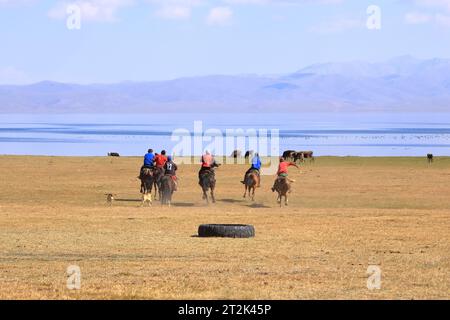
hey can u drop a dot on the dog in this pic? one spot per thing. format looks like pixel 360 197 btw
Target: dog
pixel 109 198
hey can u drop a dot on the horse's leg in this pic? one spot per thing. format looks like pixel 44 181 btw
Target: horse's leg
pixel 205 196
pixel 253 193
pixel 212 195
pixel 286 199
pixel 245 191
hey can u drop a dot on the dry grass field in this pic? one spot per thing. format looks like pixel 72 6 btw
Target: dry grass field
pixel 344 215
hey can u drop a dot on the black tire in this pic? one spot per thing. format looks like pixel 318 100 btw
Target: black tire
pixel 226 230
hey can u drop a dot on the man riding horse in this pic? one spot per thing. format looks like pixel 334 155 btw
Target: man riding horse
pixel 170 169
pixel 160 161
pixel 255 167
pixel 208 163
pixel 149 159
pixel 282 172
pixel 206 175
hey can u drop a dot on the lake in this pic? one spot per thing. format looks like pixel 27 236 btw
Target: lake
pixel 132 134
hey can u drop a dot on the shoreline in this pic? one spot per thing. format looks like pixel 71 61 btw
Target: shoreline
pixel 223 157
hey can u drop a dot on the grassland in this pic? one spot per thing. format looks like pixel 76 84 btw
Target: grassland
pixel 344 215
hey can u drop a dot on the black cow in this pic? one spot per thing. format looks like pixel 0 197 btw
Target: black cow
pixel 248 154
pixel 236 154
pixel 289 154
pixel 113 154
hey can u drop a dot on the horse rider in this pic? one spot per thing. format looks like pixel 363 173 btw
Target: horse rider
pixel 208 162
pixel 149 159
pixel 170 169
pixel 256 166
pixel 283 170
pixel 160 161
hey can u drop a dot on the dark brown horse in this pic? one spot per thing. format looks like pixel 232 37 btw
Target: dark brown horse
pixel 282 186
pixel 147 181
pixel 208 183
pixel 167 187
pixel 158 173
pixel 251 181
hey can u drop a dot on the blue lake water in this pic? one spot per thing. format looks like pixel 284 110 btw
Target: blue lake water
pixel 133 134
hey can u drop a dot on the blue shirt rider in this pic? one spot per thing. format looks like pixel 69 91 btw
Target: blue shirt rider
pixel 149 158
pixel 256 166
pixel 148 161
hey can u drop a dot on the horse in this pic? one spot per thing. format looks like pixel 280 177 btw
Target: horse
pixel 167 187
pixel 250 182
pixel 158 173
pixel 282 186
pixel 208 182
pixel 147 180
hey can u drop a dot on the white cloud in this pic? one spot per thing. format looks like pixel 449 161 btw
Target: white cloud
pixel 219 16
pixel 175 9
pixel 337 26
pixel 281 2
pixel 91 10
pixel 12 75
pixel 434 3
pixel 174 12
pixel 442 20
pixel 417 18
pixel 435 12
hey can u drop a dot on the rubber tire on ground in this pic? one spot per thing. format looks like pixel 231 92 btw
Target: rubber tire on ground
pixel 226 230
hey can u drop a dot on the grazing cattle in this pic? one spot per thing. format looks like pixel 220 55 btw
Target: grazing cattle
pixel 248 154
pixel 308 154
pixel 113 154
pixel 166 191
pixel 289 154
pixel 302 155
pixel 430 158
pixel 147 181
pixel 208 182
pixel 294 156
pixel 298 156
pixel 236 154
pixel 282 186
pixel 251 181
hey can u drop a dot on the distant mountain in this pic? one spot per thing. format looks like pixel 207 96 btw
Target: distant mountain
pixel 402 84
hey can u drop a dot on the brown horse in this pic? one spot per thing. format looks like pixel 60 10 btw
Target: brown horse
pixel 207 181
pixel 147 181
pixel 282 186
pixel 158 173
pixel 166 190
pixel 251 181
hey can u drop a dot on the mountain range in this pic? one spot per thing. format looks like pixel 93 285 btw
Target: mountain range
pixel 402 84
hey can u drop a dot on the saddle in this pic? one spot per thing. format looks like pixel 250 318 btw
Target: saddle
pixel 146 171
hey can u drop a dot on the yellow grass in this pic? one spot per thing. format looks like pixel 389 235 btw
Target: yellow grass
pixel 344 215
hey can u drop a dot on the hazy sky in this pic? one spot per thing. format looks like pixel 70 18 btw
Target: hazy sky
pixel 164 39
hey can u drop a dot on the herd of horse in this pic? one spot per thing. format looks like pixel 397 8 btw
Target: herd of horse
pixel 164 186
